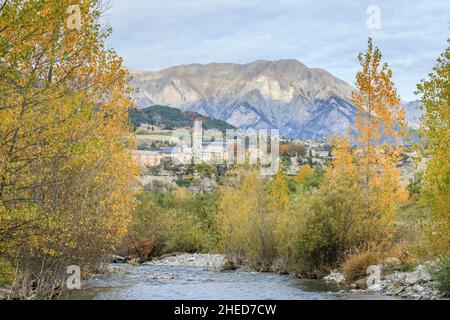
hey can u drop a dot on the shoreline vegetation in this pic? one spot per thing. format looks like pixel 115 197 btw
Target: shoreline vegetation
pixel 69 192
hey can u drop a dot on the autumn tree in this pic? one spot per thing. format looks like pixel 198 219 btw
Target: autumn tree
pixel 379 128
pixel 354 207
pixel 330 221
pixel 66 178
pixel 253 217
pixel 303 173
pixel 435 101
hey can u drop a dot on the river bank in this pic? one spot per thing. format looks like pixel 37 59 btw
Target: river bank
pixel 417 284
pixel 199 276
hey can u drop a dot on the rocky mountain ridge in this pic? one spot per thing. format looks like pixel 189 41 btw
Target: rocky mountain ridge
pixel 301 102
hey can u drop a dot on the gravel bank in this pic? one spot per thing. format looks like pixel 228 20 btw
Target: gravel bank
pixel 417 284
pixel 209 261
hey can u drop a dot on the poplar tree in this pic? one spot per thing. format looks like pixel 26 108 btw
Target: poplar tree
pixel 435 101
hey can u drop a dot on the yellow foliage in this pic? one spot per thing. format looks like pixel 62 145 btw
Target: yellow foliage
pixel 435 101
pixel 335 220
pixel 253 218
pixel 379 127
pixel 354 207
pixel 66 177
pixel 304 172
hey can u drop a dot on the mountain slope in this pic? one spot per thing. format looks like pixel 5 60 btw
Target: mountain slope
pixel 173 118
pixel 413 113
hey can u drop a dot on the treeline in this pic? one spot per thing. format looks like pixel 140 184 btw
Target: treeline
pixel 350 216
pixel 66 178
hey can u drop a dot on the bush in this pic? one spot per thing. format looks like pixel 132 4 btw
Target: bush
pixel 314 180
pixel 337 219
pixel 402 267
pixel 415 185
pixel 303 173
pixel 442 275
pixel 169 222
pixel 143 249
pixel 6 273
pixel 206 170
pixel 183 182
pixel 355 265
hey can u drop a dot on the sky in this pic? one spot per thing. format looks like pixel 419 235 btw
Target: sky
pixel 328 34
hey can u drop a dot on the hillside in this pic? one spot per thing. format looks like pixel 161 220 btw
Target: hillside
pixel 172 118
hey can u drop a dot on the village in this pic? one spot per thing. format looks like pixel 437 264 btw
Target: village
pixel 168 161
pixel 157 144
pixel 198 158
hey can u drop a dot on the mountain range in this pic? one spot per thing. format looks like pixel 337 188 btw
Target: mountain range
pixel 301 102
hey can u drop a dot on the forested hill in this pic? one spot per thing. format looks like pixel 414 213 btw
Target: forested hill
pixel 172 118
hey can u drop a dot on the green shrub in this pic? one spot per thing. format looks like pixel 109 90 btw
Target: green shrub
pixel 183 182
pixel 402 267
pixel 314 180
pixel 415 185
pixel 442 275
pixel 206 170
pixel 332 221
pixel 169 222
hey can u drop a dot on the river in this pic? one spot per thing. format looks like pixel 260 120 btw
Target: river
pixel 150 282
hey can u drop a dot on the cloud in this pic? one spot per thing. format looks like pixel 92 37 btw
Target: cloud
pixel 152 35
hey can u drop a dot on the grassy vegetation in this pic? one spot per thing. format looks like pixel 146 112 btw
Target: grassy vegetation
pixel 355 265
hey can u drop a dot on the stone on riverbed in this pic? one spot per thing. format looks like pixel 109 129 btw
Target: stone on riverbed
pixel 5 294
pixel 419 275
pixel 361 283
pixel 229 266
pixel 334 276
pixel 413 285
pixel 396 290
pixel 114 258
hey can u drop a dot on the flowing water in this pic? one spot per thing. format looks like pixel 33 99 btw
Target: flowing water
pixel 192 283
